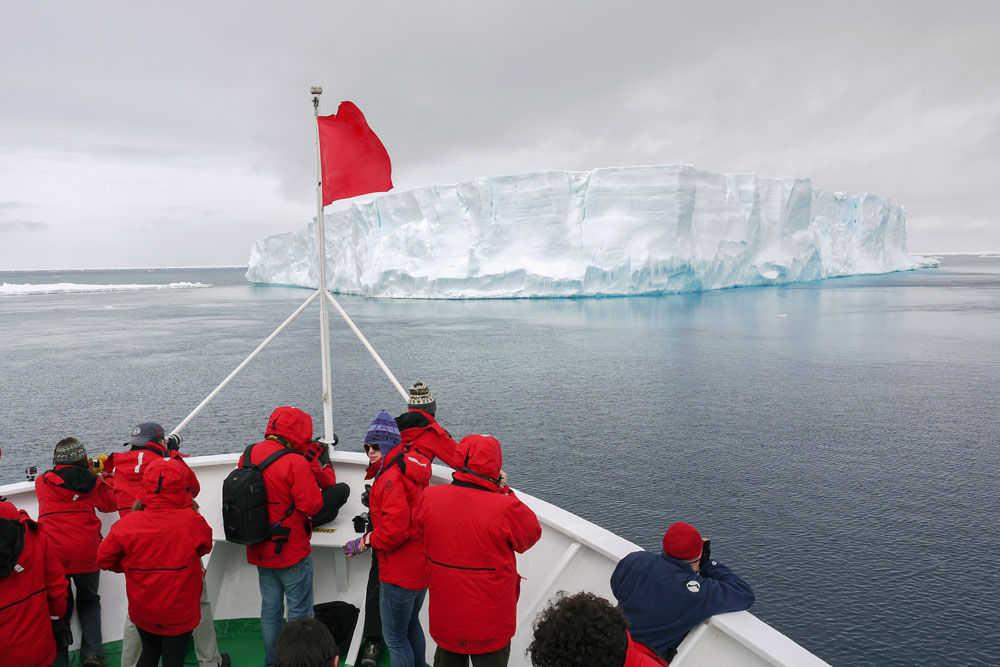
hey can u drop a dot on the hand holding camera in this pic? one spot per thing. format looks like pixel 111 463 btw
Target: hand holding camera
pixel 98 463
pixel 706 550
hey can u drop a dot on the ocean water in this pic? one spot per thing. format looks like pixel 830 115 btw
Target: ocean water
pixel 837 440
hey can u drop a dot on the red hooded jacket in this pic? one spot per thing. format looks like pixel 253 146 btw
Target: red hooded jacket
pixel 32 594
pixel 394 494
pixel 159 549
pixel 293 494
pixel 69 497
pixel 470 530
pixel 127 468
pixel 420 432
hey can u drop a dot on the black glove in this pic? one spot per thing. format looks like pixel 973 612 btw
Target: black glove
pixel 324 456
pixel 706 550
pixel 63 633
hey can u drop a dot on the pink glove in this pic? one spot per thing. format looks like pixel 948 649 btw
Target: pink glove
pixel 356 546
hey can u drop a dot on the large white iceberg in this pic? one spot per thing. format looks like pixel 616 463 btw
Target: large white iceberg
pixel 613 231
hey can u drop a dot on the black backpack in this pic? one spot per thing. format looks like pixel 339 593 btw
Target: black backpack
pixel 11 544
pixel 244 502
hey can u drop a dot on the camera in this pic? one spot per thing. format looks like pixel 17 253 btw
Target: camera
pixel 174 441
pixel 363 523
pixel 366 494
pixel 31 472
pixel 97 463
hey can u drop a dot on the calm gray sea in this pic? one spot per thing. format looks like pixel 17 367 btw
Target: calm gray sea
pixel 837 440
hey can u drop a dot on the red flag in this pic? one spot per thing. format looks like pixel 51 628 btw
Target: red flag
pixel 354 160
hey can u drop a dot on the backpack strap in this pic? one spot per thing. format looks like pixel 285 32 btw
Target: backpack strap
pixel 397 460
pixel 247 463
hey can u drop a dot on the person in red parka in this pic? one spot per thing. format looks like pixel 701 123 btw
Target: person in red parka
pixel 32 591
pixel 334 493
pixel 284 562
pixel 159 546
pixel 69 497
pixel 470 531
pixel 371 633
pixel 585 630
pixel 420 431
pixel 147 444
pixel 399 481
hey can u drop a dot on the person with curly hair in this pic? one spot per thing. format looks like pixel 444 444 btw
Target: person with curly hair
pixel 585 630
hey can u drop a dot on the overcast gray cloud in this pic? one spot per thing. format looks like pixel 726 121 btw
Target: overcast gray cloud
pixel 177 133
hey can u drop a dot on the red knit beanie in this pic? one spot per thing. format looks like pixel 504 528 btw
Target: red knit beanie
pixel 682 541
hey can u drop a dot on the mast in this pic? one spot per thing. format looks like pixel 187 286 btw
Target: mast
pixel 324 324
pixel 324 297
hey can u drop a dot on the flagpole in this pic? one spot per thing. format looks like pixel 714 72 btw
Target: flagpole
pixel 324 324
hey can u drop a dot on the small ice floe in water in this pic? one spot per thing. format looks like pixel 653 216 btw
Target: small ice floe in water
pixel 782 314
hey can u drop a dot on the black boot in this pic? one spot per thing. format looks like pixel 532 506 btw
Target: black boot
pixel 371 647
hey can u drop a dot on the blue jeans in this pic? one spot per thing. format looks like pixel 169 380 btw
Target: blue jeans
pixel 400 609
pixel 295 583
pixel 88 608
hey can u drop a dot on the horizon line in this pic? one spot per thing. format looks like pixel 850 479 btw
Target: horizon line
pixel 247 266
pixel 132 268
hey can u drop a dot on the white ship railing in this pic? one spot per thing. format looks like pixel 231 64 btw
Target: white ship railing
pixel 572 555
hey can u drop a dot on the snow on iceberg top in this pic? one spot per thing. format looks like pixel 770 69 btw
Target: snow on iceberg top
pixel 607 232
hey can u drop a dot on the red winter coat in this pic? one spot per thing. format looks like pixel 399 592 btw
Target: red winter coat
pixel 470 531
pixel 288 480
pixel 420 432
pixel 159 549
pixel 127 470
pixel 394 494
pixel 639 655
pixel 68 498
pixel 33 593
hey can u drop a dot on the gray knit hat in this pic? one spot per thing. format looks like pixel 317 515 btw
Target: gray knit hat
pixel 421 398
pixel 69 450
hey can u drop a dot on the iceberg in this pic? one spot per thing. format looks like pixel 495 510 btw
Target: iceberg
pixel 606 232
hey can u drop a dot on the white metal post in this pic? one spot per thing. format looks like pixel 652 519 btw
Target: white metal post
pixel 324 325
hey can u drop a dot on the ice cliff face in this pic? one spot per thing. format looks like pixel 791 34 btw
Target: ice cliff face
pixel 614 231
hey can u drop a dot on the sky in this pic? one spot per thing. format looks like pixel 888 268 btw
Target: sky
pixel 147 134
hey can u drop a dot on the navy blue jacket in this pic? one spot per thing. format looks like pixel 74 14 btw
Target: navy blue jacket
pixel 663 598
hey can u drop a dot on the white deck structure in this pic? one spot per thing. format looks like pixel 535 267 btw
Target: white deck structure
pixel 572 555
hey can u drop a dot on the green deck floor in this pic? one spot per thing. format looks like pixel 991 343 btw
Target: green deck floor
pixel 240 638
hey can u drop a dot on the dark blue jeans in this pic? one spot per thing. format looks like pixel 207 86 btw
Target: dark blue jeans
pixel 293 583
pixel 88 608
pixel 401 629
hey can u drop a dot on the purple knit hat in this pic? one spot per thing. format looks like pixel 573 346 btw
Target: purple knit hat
pixel 384 432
